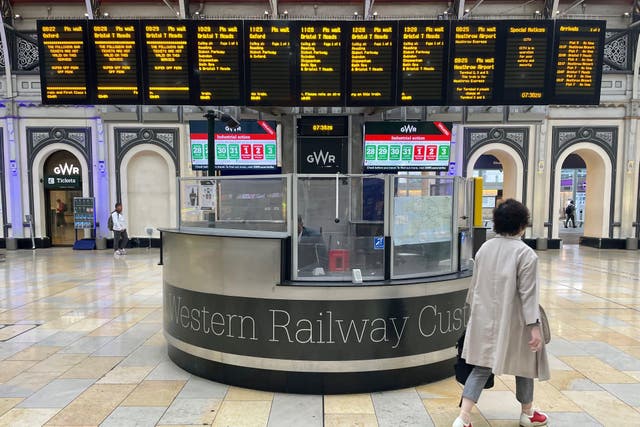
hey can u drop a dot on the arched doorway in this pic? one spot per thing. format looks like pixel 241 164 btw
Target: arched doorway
pixel 62 181
pixel 593 194
pixel 146 192
pixel 573 180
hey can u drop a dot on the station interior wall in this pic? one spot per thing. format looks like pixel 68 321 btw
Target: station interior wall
pixel 147 174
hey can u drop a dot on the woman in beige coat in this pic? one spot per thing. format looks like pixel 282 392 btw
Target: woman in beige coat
pixel 503 334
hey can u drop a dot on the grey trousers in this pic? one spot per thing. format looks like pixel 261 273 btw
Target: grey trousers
pixel 478 378
pixel 120 239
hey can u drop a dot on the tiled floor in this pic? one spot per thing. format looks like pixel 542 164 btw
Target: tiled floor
pixel 98 356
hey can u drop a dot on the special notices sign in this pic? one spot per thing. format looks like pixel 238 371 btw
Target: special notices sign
pixel 315 329
pixel 63 62
pixel 393 146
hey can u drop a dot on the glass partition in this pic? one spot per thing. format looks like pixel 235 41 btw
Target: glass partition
pixel 256 203
pixel 340 227
pixel 423 232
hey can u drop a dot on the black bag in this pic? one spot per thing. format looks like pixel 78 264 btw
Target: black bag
pixel 463 369
pixel 110 222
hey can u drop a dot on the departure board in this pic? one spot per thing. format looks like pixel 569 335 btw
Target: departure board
pixel 422 62
pixel 371 77
pixel 473 63
pixel 63 62
pixel 166 62
pixel 320 63
pixel 217 66
pixel 269 63
pixel 578 56
pixel 116 69
pixel 526 62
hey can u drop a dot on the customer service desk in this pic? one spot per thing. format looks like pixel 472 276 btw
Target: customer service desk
pixel 239 310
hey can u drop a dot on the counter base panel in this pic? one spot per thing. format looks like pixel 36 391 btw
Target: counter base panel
pixel 311 382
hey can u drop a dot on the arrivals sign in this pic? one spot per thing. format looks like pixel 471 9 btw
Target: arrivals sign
pixel 393 146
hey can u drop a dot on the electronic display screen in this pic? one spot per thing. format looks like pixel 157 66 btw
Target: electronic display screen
pixel 406 146
pixel 252 145
pixel 63 62
pixel 578 57
pixel 323 126
pixel 473 63
pixel 269 63
pixel 422 62
pixel 166 62
pixel 217 66
pixel 527 62
pixel 199 142
pixel 116 66
pixel 371 76
pixel 320 51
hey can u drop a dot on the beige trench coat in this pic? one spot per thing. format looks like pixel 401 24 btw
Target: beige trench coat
pixel 504 299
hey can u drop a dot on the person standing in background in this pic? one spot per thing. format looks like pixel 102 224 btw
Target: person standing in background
pixel 60 209
pixel 120 237
pixel 570 212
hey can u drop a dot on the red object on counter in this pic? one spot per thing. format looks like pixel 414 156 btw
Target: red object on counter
pixel 338 260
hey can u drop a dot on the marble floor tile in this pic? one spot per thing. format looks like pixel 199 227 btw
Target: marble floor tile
pixel 56 394
pixel 92 367
pixel 349 404
pixel 11 368
pixel 126 375
pixel 238 393
pixel 25 384
pixel 242 414
pixel 8 403
pixel 628 393
pixel 35 353
pixel 558 419
pixel 596 370
pixel 168 371
pixel 92 406
pixel 133 416
pixel 154 393
pixel 292 410
pixel 443 411
pixel 350 420
pixel 200 388
pixel 400 408
pixel 191 411
pixel 26 417
pixel 605 408
pixel 499 405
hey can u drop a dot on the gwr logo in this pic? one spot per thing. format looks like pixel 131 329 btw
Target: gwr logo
pixel 321 157
pixel 408 129
pixel 66 169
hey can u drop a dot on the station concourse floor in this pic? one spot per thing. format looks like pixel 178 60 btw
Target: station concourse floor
pixel 98 356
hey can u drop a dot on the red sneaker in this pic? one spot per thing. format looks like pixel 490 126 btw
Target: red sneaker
pixel 537 419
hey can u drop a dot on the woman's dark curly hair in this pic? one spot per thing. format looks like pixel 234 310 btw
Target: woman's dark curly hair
pixel 510 217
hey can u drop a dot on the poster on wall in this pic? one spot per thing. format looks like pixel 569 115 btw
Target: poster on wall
pixel 407 146
pixel 252 145
pixel 199 140
pixel 207 195
pixel 191 196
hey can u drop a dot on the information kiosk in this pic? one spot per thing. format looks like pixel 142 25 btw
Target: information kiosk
pixel 290 283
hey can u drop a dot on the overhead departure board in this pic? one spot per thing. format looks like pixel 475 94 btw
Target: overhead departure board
pixel 371 76
pixel 422 62
pixel 63 62
pixel 578 56
pixel 269 63
pixel 166 60
pixel 320 53
pixel 473 63
pixel 526 62
pixel 115 44
pixel 217 66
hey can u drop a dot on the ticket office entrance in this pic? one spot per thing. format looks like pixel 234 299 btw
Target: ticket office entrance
pixel 62 182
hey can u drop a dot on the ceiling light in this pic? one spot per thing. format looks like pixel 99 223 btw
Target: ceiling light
pixel 355 13
pixel 18 16
pixel 106 14
pixel 197 12
pixel 286 12
pixel 466 11
pixel 537 12
pixel 266 13
pixel 627 14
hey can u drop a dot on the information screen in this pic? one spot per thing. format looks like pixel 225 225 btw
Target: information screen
pixel 269 62
pixel 166 60
pixel 199 141
pixel 371 77
pixel 63 62
pixel 406 146
pixel 323 126
pixel 578 56
pixel 527 62
pixel 473 63
pixel 423 52
pixel 116 68
pixel 320 63
pixel 253 145
pixel 217 66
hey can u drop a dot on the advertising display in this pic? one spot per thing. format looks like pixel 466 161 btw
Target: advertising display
pixel 199 141
pixel 321 63
pixel 406 146
pixel 252 145
pixel 84 213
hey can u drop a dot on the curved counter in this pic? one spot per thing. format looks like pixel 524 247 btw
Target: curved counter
pixel 230 316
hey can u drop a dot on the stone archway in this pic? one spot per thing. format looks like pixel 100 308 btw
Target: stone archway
pixel 512 169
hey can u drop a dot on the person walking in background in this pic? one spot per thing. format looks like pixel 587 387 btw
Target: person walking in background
pixel 60 210
pixel 570 214
pixel 120 237
pixel 503 335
